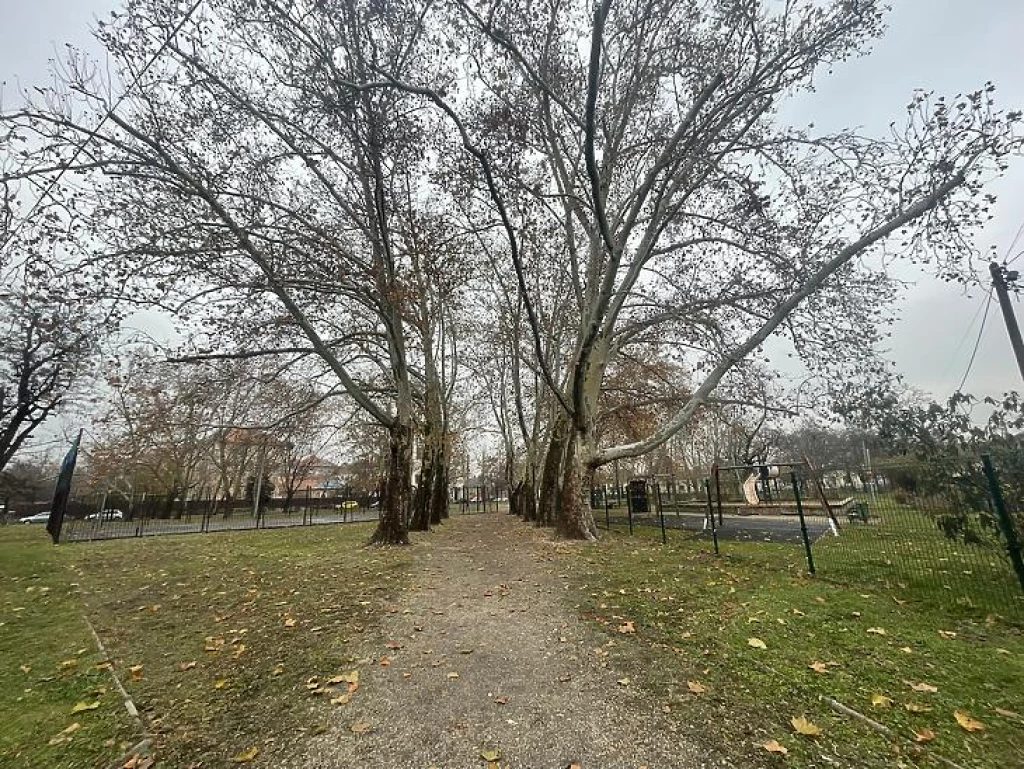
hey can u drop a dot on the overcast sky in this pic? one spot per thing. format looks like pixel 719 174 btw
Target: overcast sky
pixel 949 46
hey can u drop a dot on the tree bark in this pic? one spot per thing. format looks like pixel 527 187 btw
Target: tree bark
pixel 394 503
pixel 575 520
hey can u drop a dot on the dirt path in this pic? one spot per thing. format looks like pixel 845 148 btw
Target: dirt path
pixel 493 657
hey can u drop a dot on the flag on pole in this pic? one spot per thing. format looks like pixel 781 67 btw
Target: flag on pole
pixel 63 491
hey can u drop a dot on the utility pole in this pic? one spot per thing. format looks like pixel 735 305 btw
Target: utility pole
pixel 1000 276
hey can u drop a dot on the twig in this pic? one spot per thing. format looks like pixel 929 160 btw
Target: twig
pixel 882 729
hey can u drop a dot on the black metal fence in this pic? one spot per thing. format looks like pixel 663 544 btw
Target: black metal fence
pixel 946 538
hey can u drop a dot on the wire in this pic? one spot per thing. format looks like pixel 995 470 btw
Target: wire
pixel 92 134
pixel 967 332
pixel 977 343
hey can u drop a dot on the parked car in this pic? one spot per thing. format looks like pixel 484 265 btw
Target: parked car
pixel 106 515
pixel 42 517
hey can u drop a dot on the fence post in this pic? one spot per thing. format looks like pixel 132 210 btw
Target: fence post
pixel 629 511
pixel 803 521
pixel 718 494
pixel 607 514
pixel 711 513
pixel 1005 519
pixel 661 512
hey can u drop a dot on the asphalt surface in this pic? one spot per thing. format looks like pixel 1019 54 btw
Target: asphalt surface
pixel 744 528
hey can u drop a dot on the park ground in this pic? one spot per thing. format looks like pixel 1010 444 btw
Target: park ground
pixel 486 644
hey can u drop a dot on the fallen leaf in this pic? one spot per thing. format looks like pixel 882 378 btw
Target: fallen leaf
pixel 214 644
pixel 805 727
pixel 623 681
pixel 361 727
pixel 453 675
pixel 627 628
pixel 913 707
pixel 925 735
pixel 83 706
pixel 136 671
pixel 906 650
pixel 967 723
pixel 65 734
pixel 385 662
pixel 565 678
pixel 26 668
pixel 877 630
pixel 278 669
pixel 345 678
pixel 797 612
pixel 393 645
pixel 183 666
pixel 490 755
pixel 220 683
pixel 696 687
pixel 773 746
pixel 290 621
pixel 65 664
pixel 757 643
pixel 881 701
pixel 239 651
pixel 922 687
pixel 342 699
pixel 818 667
pixel 246 756
pixel 949 634
pixel 139 762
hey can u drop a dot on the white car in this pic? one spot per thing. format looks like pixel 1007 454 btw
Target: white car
pixel 42 517
pixel 106 515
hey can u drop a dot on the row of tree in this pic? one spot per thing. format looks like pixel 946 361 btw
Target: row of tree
pixel 590 217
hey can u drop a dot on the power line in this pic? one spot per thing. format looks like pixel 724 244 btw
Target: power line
pixel 967 332
pixel 977 343
pixel 92 134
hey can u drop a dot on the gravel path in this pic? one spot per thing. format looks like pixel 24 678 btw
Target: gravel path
pixel 493 657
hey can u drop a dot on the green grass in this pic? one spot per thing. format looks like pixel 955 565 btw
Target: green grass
pixel 277 608
pixel 694 614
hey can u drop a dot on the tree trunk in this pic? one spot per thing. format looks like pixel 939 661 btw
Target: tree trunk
pixel 552 476
pixel 394 503
pixel 576 521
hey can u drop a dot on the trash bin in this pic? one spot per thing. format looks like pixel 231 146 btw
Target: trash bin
pixel 638 500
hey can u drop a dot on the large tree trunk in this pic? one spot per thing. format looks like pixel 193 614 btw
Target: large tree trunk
pixel 552 475
pixel 575 520
pixel 394 503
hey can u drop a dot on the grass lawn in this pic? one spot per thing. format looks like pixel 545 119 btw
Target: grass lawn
pixel 214 637
pixel 677 614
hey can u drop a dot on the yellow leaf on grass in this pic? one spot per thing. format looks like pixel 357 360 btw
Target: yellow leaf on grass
pixel 66 664
pixel 696 687
pixel 947 634
pixel 913 707
pixel 344 678
pixel 183 666
pixel 773 746
pixel 805 727
pixel 877 630
pixel 342 699
pixel 925 735
pixel 65 734
pixel 627 628
pixel 624 681
pixel 757 643
pixel 818 667
pixel 83 706
pixel 220 683
pixel 967 723
pixel 922 687
pixel 881 701
pixel 361 727
pixel 278 669
pixel 214 644
pixel 453 675
pixel 490 755
pixel 26 669
pixel 239 651
pixel 246 755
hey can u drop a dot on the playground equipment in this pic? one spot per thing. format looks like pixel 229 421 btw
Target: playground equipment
pixel 763 473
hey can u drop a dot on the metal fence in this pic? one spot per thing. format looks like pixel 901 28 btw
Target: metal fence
pixel 946 538
pixel 87 519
